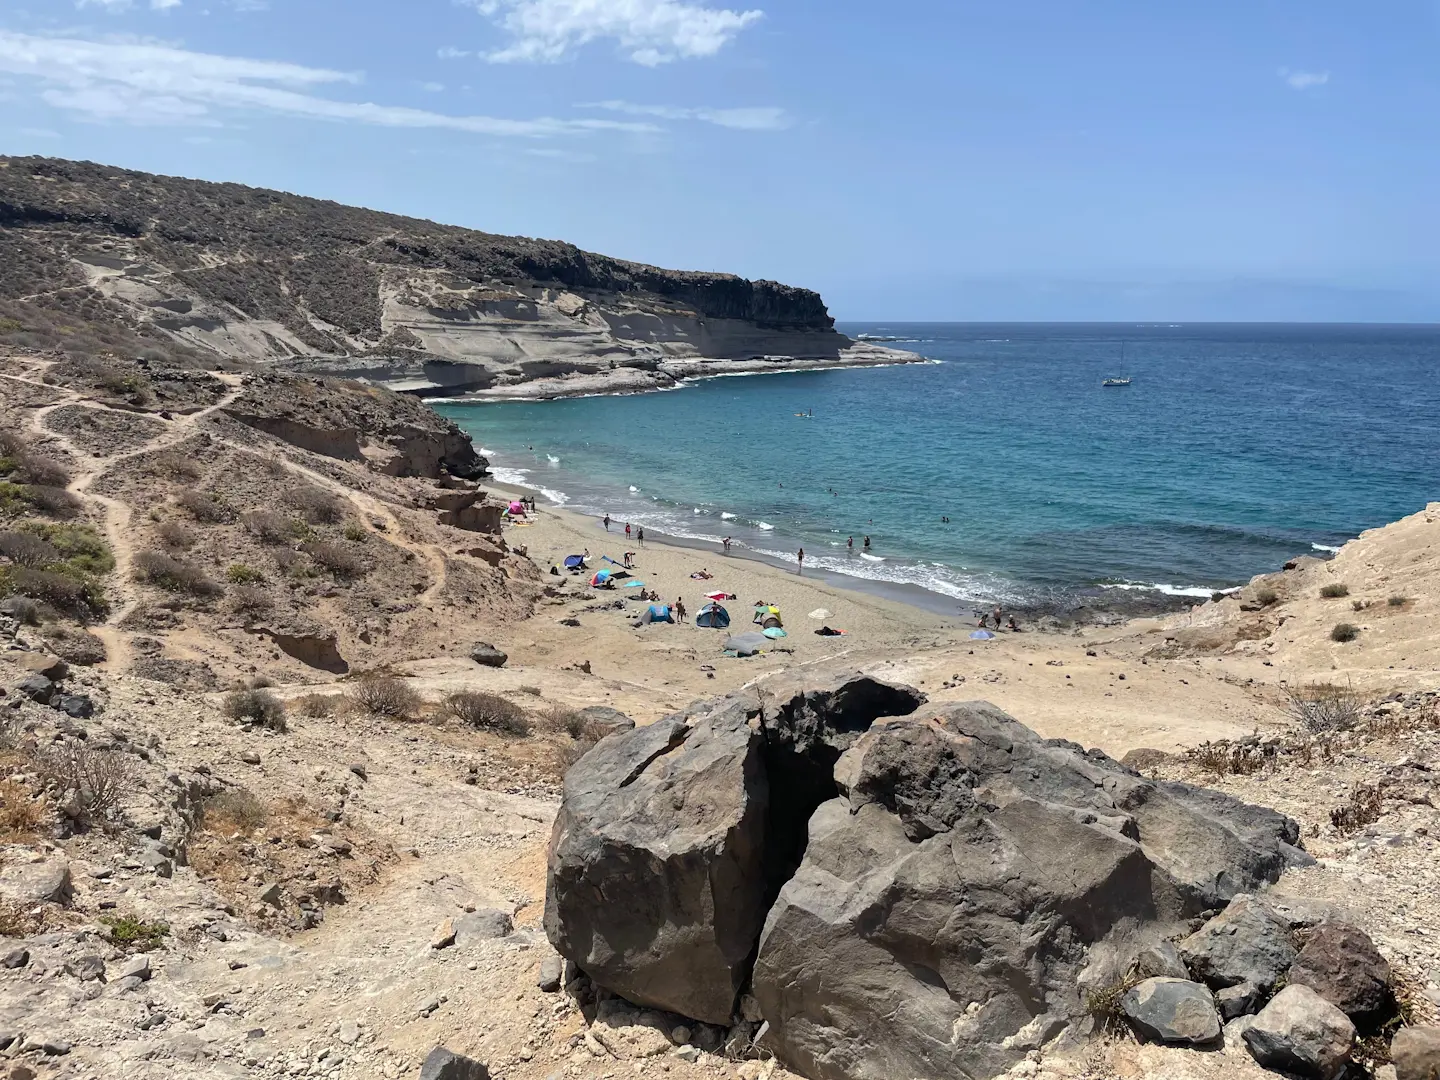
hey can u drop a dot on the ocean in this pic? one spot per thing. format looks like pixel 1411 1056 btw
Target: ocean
pixel 1234 448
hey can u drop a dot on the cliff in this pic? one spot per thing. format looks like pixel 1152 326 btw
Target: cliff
pixel 246 274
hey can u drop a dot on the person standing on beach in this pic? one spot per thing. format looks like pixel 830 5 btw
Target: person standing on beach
pixel 607 522
pixel 680 609
pixel 726 544
pixel 800 561
pixel 640 535
pixel 627 531
pixel 997 613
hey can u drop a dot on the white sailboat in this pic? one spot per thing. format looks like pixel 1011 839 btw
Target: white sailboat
pixel 1118 380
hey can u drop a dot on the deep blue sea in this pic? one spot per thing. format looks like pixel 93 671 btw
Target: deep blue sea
pixel 1234 448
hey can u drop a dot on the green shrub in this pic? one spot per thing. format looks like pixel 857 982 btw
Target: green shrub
pixel 174 575
pixel 258 707
pixel 356 534
pixel 74 593
pixel 1335 592
pixel 1398 601
pixel 1344 632
pixel 240 574
pixel 490 711
pixel 176 536
pixel 1267 597
pixel 131 933
pixel 81 547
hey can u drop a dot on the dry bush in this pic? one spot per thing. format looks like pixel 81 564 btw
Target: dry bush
pixel 12 443
pixel 317 706
pixel 250 600
pixel 1324 707
pixel 26 611
pixel 97 782
pixel 256 707
pixel 176 536
pixel 75 646
pixel 22 815
pixel 205 506
pixel 1267 597
pixel 174 575
pixel 177 465
pixel 356 533
pixel 27 549
pixel 55 501
pixel 1402 722
pixel 77 595
pixel 1344 632
pixel 338 559
pixel 384 695
pixel 316 505
pixel 33 468
pixel 1399 601
pixel 489 711
pixel 574 723
pixel 271 528
pixel 1103 1003
pixel 1335 592
pixel 234 811
pixel 1239 758
pixel 1364 807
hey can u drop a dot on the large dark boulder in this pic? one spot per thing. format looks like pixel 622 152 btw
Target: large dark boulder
pixel 1175 1012
pixel 1246 944
pixel 1301 1033
pixel 1342 965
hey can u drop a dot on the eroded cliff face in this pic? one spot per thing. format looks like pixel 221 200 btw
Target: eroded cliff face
pixel 243 273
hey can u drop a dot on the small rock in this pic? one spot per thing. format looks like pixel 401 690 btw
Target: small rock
pixel 750 1008
pixel 428 1006
pixel 43 664
pixel 127 984
pixel 1247 942
pixel 1172 1011
pixel 272 894
pixel 45 1044
pixel 21 1072
pixel 85 968
pixel 687 1053
pixel 6 1038
pixel 1416 1053
pixel 1301 1032
pixel 158 863
pixel 154 1020
pixel 487 655
pixel 359 770
pixel 349 1032
pixel 46 881
pixel 37 688
pixel 680 1035
pixel 137 967
pixel 1342 965
pixel 1235 1035
pixel 551 970
pixel 1235 1001
pixel 78 706
pixel 1160 961
pixel 16 958
pixel 444 935
pixel 250 757
pixel 484 925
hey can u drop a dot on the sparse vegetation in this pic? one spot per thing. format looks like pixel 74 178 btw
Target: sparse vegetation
pixel 1324 707
pixel 174 575
pixel 96 782
pixel 81 547
pixel 30 467
pixel 234 811
pixel 318 705
pixel 338 559
pixel 1267 597
pixel 1335 592
pixel 356 533
pixel 1103 1003
pixel 385 695
pixel 77 595
pixel 316 505
pixel 242 574
pixel 134 935
pixel 26 611
pixel 271 528
pixel 1238 758
pixel 175 536
pixel 27 549
pixel 22 814
pixel 205 506
pixel 488 711
pixel 1364 807
pixel 55 501
pixel 1399 601
pixel 178 466
pixel 256 707
pixel 1344 632
pixel 250 599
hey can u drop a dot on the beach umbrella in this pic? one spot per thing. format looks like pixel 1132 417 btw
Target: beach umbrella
pixel 821 614
pixel 633 585
pixel 600 578
pixel 981 635
pixel 774 632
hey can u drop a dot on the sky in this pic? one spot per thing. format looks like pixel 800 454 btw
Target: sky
pixel 1267 160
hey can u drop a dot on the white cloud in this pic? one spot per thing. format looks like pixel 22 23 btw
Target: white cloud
pixel 432 87
pixel 126 5
pixel 650 32
pixel 1304 80
pixel 40 133
pixel 449 53
pixel 757 118
pixel 124 80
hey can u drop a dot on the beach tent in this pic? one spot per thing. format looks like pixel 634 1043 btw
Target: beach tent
pixel 653 614
pixel 746 644
pixel 981 635
pixel 713 616
pixel 517 508
pixel 601 577
pixel 767 615
pixel 574 562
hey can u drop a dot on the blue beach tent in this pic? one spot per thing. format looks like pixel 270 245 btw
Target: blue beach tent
pixel 713 616
pixel 574 562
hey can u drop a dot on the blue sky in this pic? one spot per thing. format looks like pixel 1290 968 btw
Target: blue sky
pixel 916 159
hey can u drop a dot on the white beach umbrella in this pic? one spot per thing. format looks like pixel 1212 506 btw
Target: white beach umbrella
pixel 822 614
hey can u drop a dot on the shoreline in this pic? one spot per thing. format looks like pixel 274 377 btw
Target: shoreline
pixel 674 374
pixel 1101 609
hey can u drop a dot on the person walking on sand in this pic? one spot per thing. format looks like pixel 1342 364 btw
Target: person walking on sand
pixel 800 561
pixel 640 535
pixel 680 608
pixel 997 613
pixel 607 522
pixel 627 530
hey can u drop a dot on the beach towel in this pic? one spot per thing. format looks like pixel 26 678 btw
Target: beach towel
pixel 633 585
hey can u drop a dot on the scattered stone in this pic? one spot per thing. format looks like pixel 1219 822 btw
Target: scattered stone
pixel 1301 1032
pixel 43 882
pixel 86 968
pixel 484 925
pixel 444 935
pixel 487 655
pixel 1235 1035
pixel 127 984
pixel 153 1020
pixel 16 958
pixel 551 969
pixel 349 1032
pixel 1416 1053
pixel 250 757
pixel 154 860
pixel 428 1006
pixel 604 720
pixel 1172 1011
pixel 273 895
pixel 6 1038
pixel 688 1053
pixel 77 706
pixel 37 688
pixel 1247 942
pixel 45 1044
pixel 360 771
pixel 42 664
pixel 1342 965
pixel 136 967
pixel 1238 1000
pixel 629 1032
pixel 1160 961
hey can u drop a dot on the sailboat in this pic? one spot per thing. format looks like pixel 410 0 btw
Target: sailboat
pixel 1118 380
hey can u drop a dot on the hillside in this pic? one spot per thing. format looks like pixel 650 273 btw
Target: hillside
pixel 247 274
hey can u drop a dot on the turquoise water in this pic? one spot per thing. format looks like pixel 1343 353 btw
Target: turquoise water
pixel 1235 448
